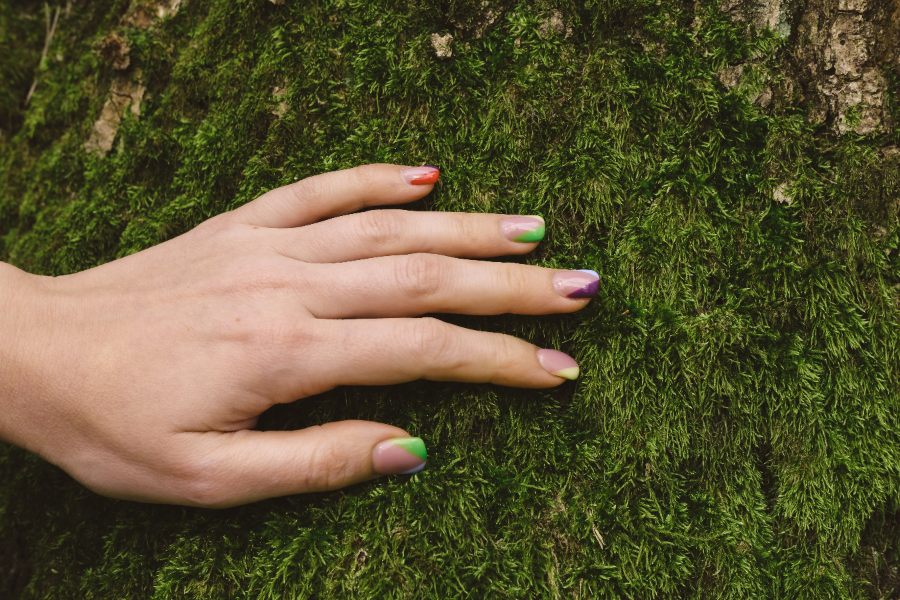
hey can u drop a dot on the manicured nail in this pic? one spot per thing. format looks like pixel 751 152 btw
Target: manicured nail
pixel 583 283
pixel 523 229
pixel 399 456
pixel 424 175
pixel 558 363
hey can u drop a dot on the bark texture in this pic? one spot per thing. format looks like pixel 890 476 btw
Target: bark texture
pixel 841 56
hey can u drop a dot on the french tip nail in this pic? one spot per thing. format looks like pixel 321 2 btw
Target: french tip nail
pixel 399 456
pixel 558 363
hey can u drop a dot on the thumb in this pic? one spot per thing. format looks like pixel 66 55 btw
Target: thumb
pixel 249 465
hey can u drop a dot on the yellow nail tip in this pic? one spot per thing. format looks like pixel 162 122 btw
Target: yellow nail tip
pixel 571 373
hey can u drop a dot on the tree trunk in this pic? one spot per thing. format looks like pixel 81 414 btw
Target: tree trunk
pixel 841 56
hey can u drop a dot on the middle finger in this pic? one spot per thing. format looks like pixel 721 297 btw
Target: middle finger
pixel 415 284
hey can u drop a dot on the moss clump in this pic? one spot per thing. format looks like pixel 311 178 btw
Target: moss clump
pixel 735 431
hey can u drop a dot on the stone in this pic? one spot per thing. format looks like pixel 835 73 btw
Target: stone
pixel 442 45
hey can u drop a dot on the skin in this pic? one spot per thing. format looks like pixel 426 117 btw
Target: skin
pixel 143 378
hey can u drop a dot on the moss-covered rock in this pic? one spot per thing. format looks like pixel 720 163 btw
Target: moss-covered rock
pixel 736 431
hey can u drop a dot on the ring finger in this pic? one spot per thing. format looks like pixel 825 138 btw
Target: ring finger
pixel 390 351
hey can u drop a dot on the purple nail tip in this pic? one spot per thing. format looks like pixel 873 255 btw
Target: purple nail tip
pixel 588 291
pixel 414 470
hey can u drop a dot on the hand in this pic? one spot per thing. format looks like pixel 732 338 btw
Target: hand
pixel 143 378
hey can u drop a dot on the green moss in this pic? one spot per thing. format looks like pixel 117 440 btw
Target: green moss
pixel 735 429
pixel 20 31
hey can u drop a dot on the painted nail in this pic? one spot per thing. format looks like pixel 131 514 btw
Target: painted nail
pixel 399 456
pixel 558 363
pixel 523 229
pixel 583 283
pixel 424 175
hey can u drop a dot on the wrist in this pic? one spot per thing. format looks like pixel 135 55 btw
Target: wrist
pixel 22 297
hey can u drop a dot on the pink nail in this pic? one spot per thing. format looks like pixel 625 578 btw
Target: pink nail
pixel 558 363
pixel 577 284
pixel 425 175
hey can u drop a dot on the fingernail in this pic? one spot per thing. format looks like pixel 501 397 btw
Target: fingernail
pixel 558 363
pixel 399 456
pixel 583 283
pixel 424 175
pixel 523 229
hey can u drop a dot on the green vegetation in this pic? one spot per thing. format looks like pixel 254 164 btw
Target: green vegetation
pixel 736 430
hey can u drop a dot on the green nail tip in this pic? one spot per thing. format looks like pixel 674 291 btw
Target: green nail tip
pixel 413 445
pixel 535 235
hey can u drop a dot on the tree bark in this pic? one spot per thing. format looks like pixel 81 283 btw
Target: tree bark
pixel 841 56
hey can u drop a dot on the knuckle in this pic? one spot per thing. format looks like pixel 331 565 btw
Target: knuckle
pixel 269 277
pixel 420 275
pixel 93 468
pixel 363 177
pixel 432 341
pixel 303 333
pixel 465 227
pixel 198 483
pixel 216 225
pixel 327 468
pixel 203 492
pixel 262 273
pixel 515 277
pixel 279 336
pixel 505 353
pixel 309 190
pixel 268 336
pixel 268 333
pixel 380 227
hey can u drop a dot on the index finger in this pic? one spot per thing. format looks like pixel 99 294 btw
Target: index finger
pixel 336 193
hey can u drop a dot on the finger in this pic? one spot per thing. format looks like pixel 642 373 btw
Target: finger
pixel 248 465
pixel 336 193
pixel 394 231
pixel 389 351
pixel 430 283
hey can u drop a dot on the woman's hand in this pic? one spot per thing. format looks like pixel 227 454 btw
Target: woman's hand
pixel 144 378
